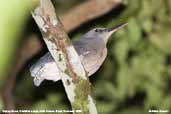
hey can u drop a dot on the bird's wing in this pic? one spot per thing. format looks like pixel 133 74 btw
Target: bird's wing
pixel 45 69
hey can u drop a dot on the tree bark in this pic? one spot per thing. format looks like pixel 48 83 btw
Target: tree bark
pixel 75 80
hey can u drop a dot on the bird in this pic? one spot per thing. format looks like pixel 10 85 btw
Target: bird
pixel 91 49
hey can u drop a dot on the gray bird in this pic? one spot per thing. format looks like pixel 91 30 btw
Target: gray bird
pixel 91 49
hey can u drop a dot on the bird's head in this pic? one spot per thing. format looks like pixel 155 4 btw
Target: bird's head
pixel 103 33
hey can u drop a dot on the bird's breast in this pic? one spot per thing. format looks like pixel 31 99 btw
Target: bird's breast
pixel 92 60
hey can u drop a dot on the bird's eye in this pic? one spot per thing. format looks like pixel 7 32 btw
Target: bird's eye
pixel 96 30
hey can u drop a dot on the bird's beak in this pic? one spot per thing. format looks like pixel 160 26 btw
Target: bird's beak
pixel 117 27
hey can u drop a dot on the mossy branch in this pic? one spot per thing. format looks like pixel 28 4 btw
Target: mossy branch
pixel 74 77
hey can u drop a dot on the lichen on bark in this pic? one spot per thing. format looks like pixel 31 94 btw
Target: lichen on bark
pixel 75 79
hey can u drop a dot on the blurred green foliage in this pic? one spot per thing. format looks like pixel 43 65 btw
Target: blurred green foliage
pixel 142 57
pixel 136 75
pixel 13 17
